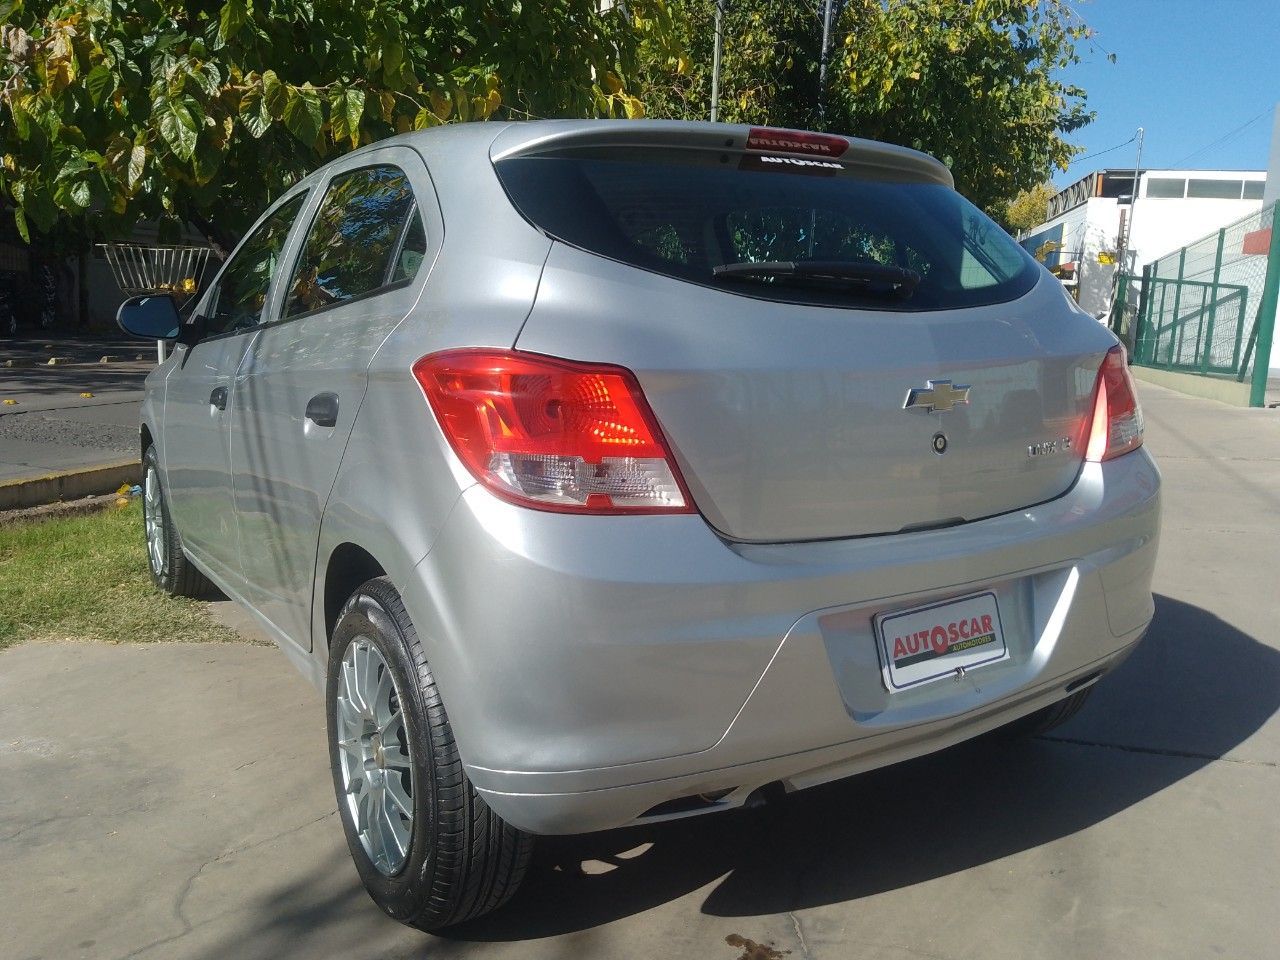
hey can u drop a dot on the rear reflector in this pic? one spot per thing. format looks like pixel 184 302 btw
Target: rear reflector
pixel 553 434
pixel 1117 419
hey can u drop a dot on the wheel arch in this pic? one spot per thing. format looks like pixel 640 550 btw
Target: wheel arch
pixel 348 566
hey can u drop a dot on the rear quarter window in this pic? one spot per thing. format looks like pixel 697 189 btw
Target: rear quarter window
pixel 367 236
pixel 684 217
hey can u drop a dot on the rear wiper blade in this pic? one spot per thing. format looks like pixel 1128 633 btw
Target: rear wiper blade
pixel 899 280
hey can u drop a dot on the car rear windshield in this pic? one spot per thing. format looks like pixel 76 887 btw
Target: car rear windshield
pixel 824 235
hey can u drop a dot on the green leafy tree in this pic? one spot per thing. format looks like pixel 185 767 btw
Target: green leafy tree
pixel 202 111
pixel 977 83
pixel 1029 208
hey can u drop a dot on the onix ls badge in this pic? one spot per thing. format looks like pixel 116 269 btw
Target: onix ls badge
pixel 938 396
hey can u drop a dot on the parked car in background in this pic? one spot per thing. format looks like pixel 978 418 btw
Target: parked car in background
pixel 608 472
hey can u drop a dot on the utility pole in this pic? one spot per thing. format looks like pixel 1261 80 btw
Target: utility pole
pixel 1125 245
pixel 828 11
pixel 1120 283
pixel 715 61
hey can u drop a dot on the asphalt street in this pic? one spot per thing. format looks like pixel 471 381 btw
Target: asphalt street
pixel 174 801
pixel 50 426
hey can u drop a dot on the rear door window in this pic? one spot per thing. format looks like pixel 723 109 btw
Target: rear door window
pixel 686 216
pixel 367 236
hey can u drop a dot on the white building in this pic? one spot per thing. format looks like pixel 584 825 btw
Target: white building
pixel 1082 235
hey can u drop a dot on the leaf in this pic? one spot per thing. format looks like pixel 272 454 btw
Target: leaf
pixel 254 114
pixel 634 108
pixel 137 163
pixel 206 164
pixel 209 77
pixel 392 61
pixel 21 119
pixel 20 219
pixel 346 108
pixel 387 103
pixel 441 104
pixel 303 115
pixel 40 208
pixel 20 45
pixel 274 94
pixel 73 195
pixel 100 82
pixel 60 65
pixel 179 128
pixel 233 17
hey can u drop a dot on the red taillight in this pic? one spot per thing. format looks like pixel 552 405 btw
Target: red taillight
pixel 554 434
pixel 774 140
pixel 1117 418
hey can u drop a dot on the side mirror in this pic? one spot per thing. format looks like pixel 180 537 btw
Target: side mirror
pixel 151 317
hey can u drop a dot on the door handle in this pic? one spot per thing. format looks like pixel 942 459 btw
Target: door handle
pixel 322 409
pixel 218 398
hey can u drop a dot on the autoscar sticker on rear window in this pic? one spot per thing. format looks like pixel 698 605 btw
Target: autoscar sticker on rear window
pixel 806 165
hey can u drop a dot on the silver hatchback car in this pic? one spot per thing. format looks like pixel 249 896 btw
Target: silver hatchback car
pixel 607 472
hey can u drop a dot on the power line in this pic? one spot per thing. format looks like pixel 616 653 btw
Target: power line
pixel 1075 160
pixel 1223 138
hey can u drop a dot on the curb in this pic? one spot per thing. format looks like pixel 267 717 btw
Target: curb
pixel 23 363
pixel 51 511
pixel 68 484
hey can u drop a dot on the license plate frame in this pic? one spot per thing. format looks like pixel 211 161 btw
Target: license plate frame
pixel 918 660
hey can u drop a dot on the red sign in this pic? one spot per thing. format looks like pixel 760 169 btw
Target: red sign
pixel 1257 243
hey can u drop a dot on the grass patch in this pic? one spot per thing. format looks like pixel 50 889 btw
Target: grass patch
pixel 85 578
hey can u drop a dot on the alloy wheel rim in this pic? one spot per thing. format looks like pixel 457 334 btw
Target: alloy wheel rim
pixel 374 756
pixel 153 517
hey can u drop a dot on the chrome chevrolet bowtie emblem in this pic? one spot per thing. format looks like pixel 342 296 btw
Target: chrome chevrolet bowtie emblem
pixel 938 397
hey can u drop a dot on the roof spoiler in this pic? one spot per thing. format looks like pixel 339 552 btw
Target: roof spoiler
pixel 560 137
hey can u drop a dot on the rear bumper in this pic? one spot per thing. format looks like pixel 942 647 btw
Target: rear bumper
pixel 594 668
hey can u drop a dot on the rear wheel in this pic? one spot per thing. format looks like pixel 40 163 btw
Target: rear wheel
pixel 429 850
pixel 171 571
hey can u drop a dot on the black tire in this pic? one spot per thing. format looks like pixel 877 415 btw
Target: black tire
pixel 174 574
pixel 1047 718
pixel 463 861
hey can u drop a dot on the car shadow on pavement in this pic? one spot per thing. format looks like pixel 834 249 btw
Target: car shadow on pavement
pixel 1191 693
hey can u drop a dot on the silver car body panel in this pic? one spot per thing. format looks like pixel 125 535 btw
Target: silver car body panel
pixel 788 420
pixel 595 667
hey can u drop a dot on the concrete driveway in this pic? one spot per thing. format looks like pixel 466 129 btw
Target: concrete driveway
pixel 174 801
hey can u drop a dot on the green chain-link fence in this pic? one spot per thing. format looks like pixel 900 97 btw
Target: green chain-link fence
pixel 1208 308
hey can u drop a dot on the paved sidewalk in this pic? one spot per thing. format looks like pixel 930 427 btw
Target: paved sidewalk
pixel 174 801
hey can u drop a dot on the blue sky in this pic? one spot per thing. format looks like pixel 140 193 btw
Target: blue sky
pixel 1191 72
